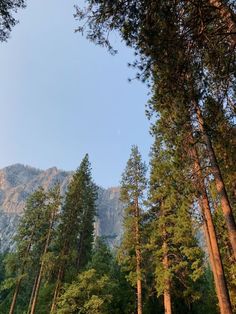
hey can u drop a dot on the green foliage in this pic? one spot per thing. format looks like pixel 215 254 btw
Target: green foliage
pixel 101 288
pixel 177 47
pixel 75 231
pixel 170 221
pixel 133 181
pixel 89 294
pixel 133 185
pixel 184 50
pixel 21 266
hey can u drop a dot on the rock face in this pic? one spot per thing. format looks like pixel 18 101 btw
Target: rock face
pixel 17 182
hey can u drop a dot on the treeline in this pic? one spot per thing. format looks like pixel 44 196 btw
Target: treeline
pixel 53 243
pixel 58 266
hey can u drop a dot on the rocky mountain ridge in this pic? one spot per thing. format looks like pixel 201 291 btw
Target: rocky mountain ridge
pixel 18 181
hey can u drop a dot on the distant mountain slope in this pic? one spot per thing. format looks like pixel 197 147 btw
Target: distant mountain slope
pixel 17 182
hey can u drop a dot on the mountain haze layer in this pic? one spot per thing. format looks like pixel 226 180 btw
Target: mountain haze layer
pixel 18 181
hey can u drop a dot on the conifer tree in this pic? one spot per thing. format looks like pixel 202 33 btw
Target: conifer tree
pixel 53 204
pixel 179 41
pixel 177 257
pixel 133 186
pixel 168 45
pixel 28 238
pixel 32 238
pixel 221 130
pixel 100 288
pixel 75 231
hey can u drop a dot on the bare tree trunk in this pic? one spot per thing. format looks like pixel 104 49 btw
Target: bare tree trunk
pixel 32 293
pixel 138 259
pixel 36 289
pixel 219 277
pixel 60 276
pixel 220 186
pixel 17 288
pixel 39 277
pixel 13 303
pixel 228 17
pixel 57 289
pixel 211 257
pixel 167 295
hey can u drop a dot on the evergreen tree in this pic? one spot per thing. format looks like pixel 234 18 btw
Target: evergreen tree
pixel 33 236
pixel 100 288
pixel 75 231
pixel 179 41
pixel 53 204
pixel 177 257
pixel 168 46
pixel 89 294
pixel 221 129
pixel 28 240
pixel 133 186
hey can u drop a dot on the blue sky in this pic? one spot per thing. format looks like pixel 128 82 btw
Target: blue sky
pixel 62 97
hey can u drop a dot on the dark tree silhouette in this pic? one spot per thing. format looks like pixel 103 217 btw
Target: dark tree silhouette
pixel 7 19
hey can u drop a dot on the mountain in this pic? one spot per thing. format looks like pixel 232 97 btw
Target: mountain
pixel 18 181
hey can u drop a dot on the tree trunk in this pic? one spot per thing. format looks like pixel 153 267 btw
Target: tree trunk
pixel 220 186
pixel 138 259
pixel 17 288
pixel 36 289
pixel 219 277
pixel 32 293
pixel 39 277
pixel 211 256
pixel 57 289
pixel 60 276
pixel 167 295
pixel 13 303
pixel 228 17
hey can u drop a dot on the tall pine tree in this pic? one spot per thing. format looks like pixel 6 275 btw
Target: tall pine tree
pixel 75 231
pixel 133 186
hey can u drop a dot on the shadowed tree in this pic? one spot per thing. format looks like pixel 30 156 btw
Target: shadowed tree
pixel 7 19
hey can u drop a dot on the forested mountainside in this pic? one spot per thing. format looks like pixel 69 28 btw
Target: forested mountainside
pixel 18 181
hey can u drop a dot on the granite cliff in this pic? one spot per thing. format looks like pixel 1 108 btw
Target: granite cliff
pixel 18 181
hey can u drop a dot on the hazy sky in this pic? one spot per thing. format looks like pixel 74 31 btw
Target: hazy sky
pixel 62 97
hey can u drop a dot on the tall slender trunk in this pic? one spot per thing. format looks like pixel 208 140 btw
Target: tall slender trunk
pixel 220 186
pixel 228 17
pixel 42 264
pixel 32 293
pixel 36 289
pixel 219 277
pixel 211 256
pixel 138 258
pixel 60 276
pixel 13 303
pixel 17 288
pixel 167 288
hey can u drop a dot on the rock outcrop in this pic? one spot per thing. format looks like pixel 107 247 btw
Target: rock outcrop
pixel 17 182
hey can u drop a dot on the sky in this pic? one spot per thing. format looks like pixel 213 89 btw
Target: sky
pixel 62 97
